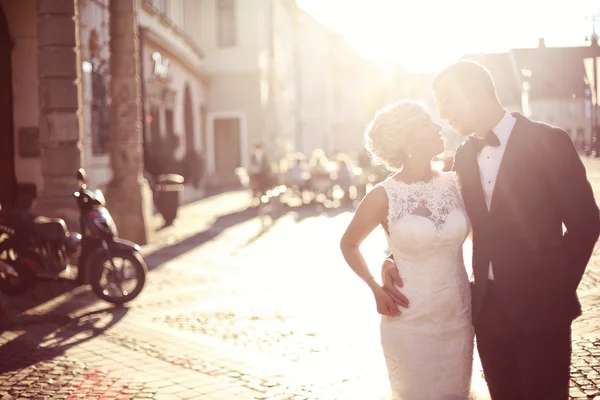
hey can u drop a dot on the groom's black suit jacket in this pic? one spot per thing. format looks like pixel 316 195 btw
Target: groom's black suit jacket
pixel 541 184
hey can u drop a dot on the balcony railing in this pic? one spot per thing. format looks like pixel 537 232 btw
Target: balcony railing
pixel 150 7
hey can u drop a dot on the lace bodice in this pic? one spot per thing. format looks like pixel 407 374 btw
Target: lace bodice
pixel 434 200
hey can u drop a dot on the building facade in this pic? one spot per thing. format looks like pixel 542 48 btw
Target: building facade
pixel 334 90
pixel 251 59
pixel 557 90
pixel 174 88
pixel 72 98
pixel 316 86
pixel 115 86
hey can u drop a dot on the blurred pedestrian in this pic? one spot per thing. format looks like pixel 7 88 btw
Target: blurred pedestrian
pixel 259 170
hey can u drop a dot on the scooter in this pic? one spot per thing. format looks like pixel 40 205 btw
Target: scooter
pixel 35 248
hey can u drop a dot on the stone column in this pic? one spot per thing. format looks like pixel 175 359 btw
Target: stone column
pixel 128 195
pixel 60 101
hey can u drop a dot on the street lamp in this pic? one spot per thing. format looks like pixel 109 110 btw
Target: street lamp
pixel 589 107
pixel 594 98
pixel 595 145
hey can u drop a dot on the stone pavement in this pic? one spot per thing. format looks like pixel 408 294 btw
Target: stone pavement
pixel 196 217
pixel 233 309
pixel 585 367
pixel 67 348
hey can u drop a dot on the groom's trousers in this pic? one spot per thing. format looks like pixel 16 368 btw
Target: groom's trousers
pixel 521 365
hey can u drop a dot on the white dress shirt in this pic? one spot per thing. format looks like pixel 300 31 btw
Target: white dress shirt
pixel 489 160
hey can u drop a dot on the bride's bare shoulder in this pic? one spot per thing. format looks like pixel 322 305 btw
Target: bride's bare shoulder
pixel 376 198
pixel 378 194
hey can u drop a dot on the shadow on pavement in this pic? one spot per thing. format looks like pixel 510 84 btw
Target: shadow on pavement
pixel 267 223
pixel 302 213
pixel 53 335
pixel 299 213
pixel 46 291
pixel 41 293
pixel 157 258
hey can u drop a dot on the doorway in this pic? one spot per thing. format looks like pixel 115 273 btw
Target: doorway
pixel 228 157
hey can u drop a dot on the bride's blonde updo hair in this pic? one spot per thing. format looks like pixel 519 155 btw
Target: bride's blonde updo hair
pixel 388 133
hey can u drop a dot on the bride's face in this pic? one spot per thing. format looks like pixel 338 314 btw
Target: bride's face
pixel 427 140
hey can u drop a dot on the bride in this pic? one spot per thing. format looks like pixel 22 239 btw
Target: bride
pixel 428 343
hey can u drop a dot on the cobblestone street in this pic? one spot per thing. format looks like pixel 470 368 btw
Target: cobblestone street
pixel 233 309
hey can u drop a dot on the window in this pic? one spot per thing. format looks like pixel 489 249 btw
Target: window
pixel 100 111
pixel 99 105
pixel 170 123
pixel 226 29
pixel 155 126
pixel 155 148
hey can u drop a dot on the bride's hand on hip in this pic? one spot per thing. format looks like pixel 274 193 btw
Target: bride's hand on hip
pixel 385 302
pixel 392 281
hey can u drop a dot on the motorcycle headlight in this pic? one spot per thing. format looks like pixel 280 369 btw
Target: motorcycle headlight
pixel 72 243
pixel 107 220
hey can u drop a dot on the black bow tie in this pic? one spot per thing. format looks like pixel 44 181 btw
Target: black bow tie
pixel 489 140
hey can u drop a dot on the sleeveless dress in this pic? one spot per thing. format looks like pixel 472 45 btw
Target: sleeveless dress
pixel 429 348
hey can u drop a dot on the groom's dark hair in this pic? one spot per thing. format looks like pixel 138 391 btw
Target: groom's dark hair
pixel 465 72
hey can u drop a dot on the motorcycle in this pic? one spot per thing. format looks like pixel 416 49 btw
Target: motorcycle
pixel 35 248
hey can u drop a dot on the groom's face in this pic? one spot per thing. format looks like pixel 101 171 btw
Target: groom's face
pixel 455 106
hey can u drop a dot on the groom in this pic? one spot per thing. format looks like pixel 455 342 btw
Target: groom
pixel 521 181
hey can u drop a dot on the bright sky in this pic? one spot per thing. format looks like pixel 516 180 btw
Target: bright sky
pixel 425 35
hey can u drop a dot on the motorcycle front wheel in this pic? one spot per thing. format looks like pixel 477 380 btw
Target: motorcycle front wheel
pixel 118 278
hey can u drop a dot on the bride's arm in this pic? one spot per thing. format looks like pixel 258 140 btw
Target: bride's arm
pixel 369 214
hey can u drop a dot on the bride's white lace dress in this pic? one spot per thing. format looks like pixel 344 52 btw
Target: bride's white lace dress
pixel 429 347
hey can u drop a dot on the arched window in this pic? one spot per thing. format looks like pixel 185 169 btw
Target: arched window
pixel 99 106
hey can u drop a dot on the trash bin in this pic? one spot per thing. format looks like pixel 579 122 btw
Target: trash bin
pixel 168 188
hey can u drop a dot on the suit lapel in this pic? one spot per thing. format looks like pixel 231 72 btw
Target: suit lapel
pixel 508 168
pixel 509 163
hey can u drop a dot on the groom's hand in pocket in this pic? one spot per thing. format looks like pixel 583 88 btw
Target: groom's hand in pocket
pixel 390 277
